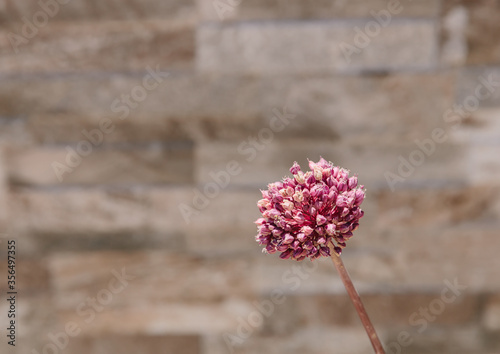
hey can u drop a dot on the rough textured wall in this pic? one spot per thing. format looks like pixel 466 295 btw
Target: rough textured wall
pixel 135 135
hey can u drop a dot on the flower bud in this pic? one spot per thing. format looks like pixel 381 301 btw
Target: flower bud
pixel 320 219
pixel 330 229
pixel 344 228
pixel 308 245
pixel 323 163
pixel 298 252
pixel 260 221
pixel 298 196
pixel 264 230
pixel 347 235
pixel 295 168
pixel 335 172
pixel 325 251
pixel 341 201
pixel 287 205
pixel 301 237
pixel 282 248
pixel 359 196
pixel 299 177
pixel 288 239
pixel 286 254
pixel 270 248
pixel 318 173
pixel 353 182
pixel 263 203
pixel 299 218
pixel 273 213
pixel 307 230
pixel 277 233
pixel 310 178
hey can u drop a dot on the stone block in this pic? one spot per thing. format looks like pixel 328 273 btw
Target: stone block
pixel 385 109
pixel 101 46
pixel 224 225
pixel 316 48
pixel 224 10
pixel 491 313
pixel 145 279
pixel 182 344
pixel 484 165
pixel 90 162
pixel 483 48
pixel 477 88
pixel 78 212
pixel 79 10
pixel 264 159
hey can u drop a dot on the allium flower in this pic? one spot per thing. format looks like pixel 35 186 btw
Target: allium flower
pixel 303 215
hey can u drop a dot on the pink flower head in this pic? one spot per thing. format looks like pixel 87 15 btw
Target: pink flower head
pixel 303 215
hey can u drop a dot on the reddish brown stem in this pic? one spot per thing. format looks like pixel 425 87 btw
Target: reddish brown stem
pixel 356 300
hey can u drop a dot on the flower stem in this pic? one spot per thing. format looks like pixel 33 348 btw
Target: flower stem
pixel 356 300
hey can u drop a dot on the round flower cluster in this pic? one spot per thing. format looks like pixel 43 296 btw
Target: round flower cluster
pixel 302 216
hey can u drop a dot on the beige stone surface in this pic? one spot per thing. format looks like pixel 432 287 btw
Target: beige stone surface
pixel 484 164
pixel 314 340
pixel 398 107
pixel 165 204
pixel 481 127
pixel 189 344
pixel 225 225
pixel 311 9
pixel 491 318
pixel 483 48
pixel 446 207
pixel 477 88
pixel 89 162
pixel 263 159
pixel 102 46
pixel 194 105
pixel 78 10
pixel 77 211
pixel 147 279
pixel 315 48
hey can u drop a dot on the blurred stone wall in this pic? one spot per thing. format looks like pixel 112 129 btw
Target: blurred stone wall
pixel 135 135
